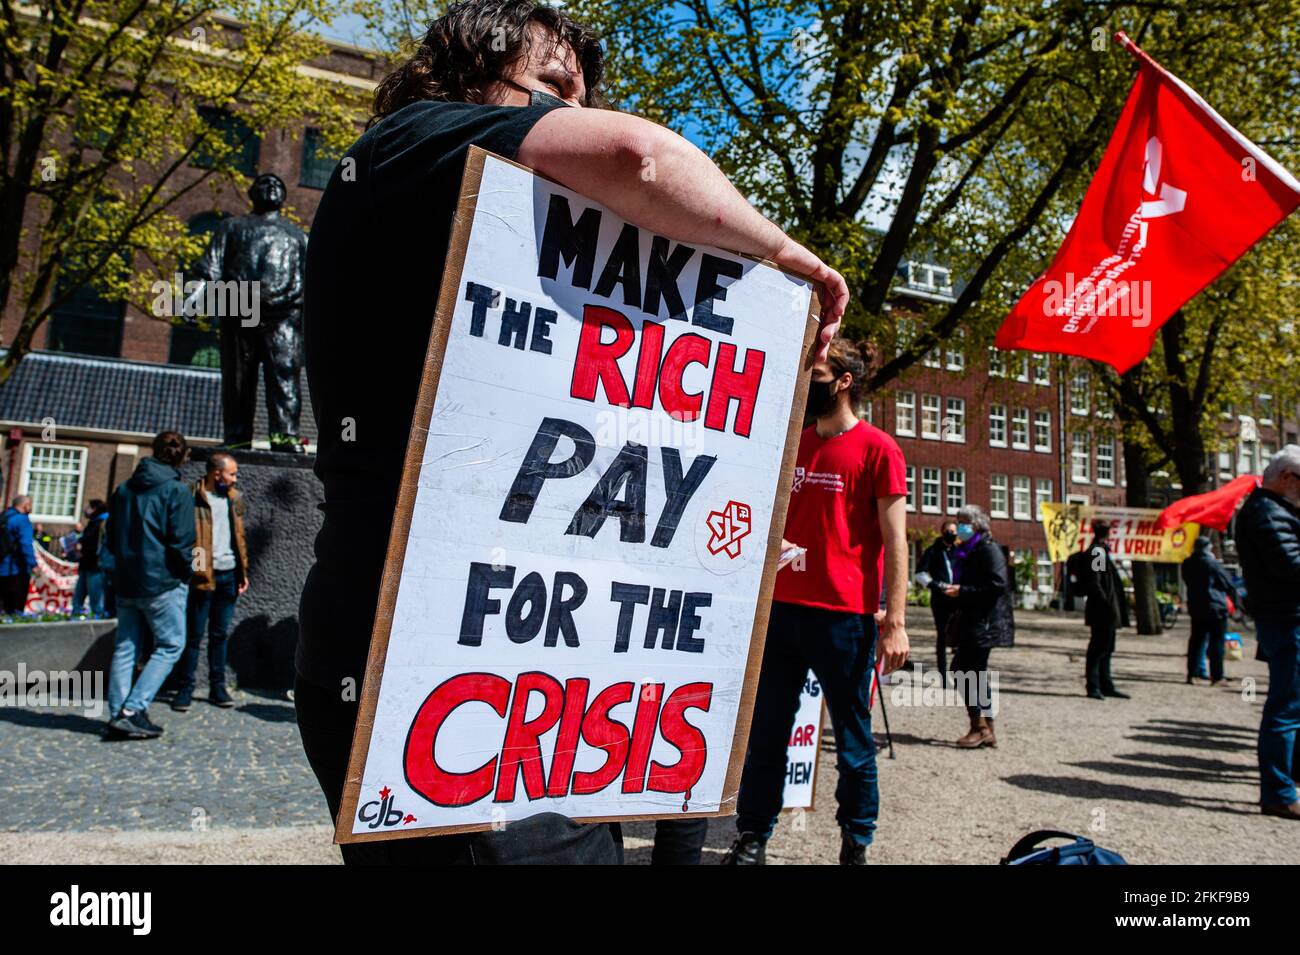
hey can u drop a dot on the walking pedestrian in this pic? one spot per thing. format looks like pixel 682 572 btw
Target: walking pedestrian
pixel 151 536
pixel 1268 545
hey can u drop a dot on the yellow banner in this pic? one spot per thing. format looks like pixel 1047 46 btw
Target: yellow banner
pixel 1133 532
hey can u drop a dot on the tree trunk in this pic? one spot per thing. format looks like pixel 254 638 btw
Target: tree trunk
pixel 1147 615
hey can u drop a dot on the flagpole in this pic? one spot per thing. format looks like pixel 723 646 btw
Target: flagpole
pixel 1122 39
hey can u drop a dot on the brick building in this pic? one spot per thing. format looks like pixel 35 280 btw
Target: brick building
pixel 105 376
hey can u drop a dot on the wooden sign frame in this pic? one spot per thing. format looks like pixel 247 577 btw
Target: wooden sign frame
pixel 447 299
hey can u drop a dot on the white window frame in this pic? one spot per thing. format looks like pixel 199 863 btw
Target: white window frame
pixel 910 501
pixel 1080 394
pixel 1044 568
pixel 998 482
pixel 932 403
pixel 1043 491
pixel 955 409
pixel 997 362
pixel 902 400
pixel 1042 369
pixel 954 358
pixel 936 485
pixel 24 487
pixel 1043 424
pixel 1023 373
pixel 933 358
pixel 1020 416
pixel 1264 403
pixel 995 417
pixel 1077 455
pixel 1022 492
pixel 1106 441
pixel 956 482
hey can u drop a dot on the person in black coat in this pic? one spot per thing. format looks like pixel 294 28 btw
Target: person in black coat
pixel 936 562
pixel 1107 610
pixel 1208 590
pixel 985 618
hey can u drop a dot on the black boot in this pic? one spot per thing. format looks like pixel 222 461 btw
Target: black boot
pixel 748 849
pixel 852 852
pixel 1107 683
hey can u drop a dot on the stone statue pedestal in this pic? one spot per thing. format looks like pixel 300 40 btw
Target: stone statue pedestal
pixel 281 519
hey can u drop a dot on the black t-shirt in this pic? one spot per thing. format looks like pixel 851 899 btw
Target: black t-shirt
pixel 374 268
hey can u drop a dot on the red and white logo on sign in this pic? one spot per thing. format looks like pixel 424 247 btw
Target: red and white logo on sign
pixel 729 526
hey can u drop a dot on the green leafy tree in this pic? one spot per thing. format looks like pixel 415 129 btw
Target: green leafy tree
pixel 111 111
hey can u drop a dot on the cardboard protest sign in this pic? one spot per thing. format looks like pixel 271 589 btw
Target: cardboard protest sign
pixel 805 745
pixel 585 544
pixel 1133 532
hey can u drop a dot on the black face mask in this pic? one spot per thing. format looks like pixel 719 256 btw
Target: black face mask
pixel 821 398
pixel 950 537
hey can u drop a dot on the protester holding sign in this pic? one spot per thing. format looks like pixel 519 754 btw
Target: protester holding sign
pixel 848 510
pixel 495 74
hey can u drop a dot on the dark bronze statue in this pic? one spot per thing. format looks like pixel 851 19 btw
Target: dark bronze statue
pixel 264 248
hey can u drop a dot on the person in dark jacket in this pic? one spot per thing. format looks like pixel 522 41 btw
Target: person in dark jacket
pixel 90 576
pixel 1107 610
pixel 936 563
pixel 1268 545
pixel 1208 590
pixel 151 537
pixel 982 592
pixel 19 558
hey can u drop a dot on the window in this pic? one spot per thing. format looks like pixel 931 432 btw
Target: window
pixel 1020 498
pixel 933 358
pixel 193 344
pixel 1022 368
pixel 955 356
pixel 956 490
pixel 868 411
pixel 911 487
pixel 239 144
pixel 998 426
pixel 997 363
pixel 1080 457
pixel 930 416
pixel 930 490
pixel 1045 573
pixel 1043 431
pixel 926 277
pixel 905 413
pixel 954 425
pixel 1079 393
pixel 1042 369
pixel 52 475
pixel 998 495
pixel 1042 495
pixel 1265 405
pixel 318 161
pixel 1106 459
pixel 87 323
pixel 1020 429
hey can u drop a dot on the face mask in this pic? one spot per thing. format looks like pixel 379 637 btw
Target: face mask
pixel 965 532
pixel 821 398
pixel 222 487
pixel 538 98
pixel 950 537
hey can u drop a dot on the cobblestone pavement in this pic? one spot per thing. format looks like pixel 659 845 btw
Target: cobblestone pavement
pixel 1166 777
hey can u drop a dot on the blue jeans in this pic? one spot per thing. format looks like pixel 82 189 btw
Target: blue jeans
pixel 90 583
pixel 1279 756
pixel 835 646
pixel 164 616
pixel 1206 644
pixel 210 610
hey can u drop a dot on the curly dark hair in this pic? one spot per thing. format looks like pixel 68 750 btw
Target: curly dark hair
pixel 474 43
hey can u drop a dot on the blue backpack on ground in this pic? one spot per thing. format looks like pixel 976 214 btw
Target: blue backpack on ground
pixel 1082 852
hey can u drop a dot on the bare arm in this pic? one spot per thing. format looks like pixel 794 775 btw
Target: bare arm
pixel 655 178
pixel 894 647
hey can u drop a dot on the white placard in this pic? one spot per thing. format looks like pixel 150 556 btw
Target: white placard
pixel 805 744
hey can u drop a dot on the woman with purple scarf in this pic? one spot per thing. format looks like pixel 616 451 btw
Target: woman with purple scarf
pixel 983 619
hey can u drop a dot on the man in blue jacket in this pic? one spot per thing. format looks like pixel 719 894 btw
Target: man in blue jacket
pixel 151 538
pixel 17 555
pixel 1268 544
pixel 1208 589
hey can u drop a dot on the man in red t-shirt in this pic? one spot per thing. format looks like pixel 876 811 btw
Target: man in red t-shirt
pixel 847 511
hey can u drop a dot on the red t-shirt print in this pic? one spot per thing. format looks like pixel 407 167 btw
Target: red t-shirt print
pixel 832 513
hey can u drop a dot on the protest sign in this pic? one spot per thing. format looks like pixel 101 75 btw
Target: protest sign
pixel 1133 532
pixel 52 584
pixel 573 606
pixel 805 743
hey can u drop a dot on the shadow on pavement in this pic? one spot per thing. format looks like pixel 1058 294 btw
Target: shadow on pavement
pixel 68 722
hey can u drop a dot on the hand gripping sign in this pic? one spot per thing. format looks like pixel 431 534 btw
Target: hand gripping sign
pixel 576 590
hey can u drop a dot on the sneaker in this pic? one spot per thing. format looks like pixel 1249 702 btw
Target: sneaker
pixel 183 700
pixel 852 852
pixel 218 695
pixel 135 726
pixel 748 849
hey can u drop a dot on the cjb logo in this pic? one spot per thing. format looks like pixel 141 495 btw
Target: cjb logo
pixel 381 813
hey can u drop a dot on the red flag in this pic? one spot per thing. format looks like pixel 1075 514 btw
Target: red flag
pixel 1178 197
pixel 1209 510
